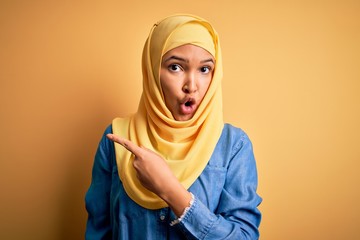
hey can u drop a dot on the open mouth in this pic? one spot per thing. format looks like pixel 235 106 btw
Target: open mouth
pixel 188 106
pixel 189 103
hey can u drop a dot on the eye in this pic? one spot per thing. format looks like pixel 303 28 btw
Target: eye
pixel 174 67
pixel 205 69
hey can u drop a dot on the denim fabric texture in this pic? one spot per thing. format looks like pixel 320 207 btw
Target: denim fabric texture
pixel 225 205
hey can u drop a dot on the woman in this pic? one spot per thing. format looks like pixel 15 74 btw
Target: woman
pixel 174 170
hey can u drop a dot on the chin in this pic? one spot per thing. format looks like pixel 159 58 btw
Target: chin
pixel 182 118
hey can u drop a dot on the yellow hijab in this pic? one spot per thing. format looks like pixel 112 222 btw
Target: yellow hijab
pixel 186 146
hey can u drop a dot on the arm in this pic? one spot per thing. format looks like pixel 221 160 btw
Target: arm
pixel 237 216
pixel 97 198
pixel 156 176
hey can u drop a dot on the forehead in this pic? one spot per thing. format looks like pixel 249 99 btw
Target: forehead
pixel 189 51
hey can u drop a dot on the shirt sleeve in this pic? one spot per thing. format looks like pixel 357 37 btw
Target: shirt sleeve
pixel 97 199
pixel 237 215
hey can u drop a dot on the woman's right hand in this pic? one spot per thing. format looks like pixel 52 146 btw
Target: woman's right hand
pixel 155 175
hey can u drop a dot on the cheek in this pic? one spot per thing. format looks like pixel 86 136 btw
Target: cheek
pixel 167 96
pixel 205 85
pixel 170 84
pixel 167 90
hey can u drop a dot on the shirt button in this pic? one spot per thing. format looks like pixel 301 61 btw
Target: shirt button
pixel 162 217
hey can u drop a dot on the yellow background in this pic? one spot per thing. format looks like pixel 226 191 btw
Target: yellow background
pixel 291 81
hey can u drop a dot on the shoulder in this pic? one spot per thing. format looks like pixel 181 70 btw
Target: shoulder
pixel 108 129
pixel 104 139
pixel 234 136
pixel 233 143
pixel 232 130
pixel 106 146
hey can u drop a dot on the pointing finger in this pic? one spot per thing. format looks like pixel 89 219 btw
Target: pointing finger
pixel 129 145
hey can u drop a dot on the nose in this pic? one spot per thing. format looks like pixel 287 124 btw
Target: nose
pixel 190 85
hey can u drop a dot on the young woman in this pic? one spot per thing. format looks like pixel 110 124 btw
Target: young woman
pixel 174 170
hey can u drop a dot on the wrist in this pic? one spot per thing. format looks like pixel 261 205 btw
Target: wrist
pixel 185 212
pixel 178 198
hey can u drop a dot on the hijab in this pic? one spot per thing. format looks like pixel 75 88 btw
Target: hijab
pixel 186 146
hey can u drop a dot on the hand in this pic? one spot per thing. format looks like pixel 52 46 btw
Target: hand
pixel 152 171
pixel 155 175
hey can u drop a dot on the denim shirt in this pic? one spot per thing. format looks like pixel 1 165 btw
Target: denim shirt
pixel 225 199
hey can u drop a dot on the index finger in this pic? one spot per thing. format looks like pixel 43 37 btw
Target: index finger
pixel 129 145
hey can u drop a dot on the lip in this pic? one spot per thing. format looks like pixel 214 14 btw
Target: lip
pixel 188 106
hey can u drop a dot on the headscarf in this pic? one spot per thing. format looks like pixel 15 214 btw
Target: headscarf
pixel 186 146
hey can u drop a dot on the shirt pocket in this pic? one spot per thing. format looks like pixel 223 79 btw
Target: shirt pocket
pixel 209 185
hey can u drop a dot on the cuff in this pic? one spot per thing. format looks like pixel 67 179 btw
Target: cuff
pixel 186 210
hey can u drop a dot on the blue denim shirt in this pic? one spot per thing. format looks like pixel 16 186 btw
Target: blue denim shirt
pixel 225 203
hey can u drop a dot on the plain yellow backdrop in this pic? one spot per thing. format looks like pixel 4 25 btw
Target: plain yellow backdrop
pixel 291 81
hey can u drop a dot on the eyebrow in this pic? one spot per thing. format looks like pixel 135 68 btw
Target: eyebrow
pixel 176 58
pixel 207 60
pixel 185 60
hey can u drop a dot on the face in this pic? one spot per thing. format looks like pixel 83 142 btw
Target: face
pixel 185 76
